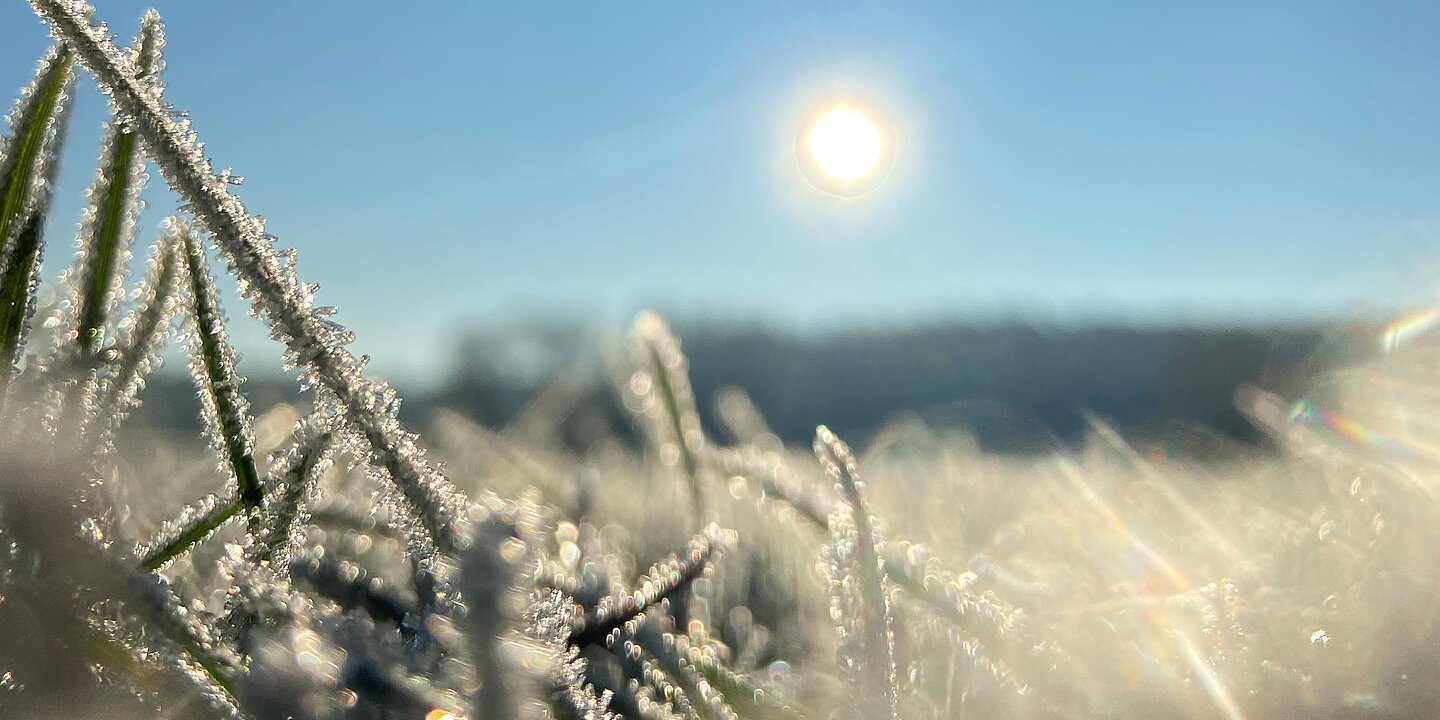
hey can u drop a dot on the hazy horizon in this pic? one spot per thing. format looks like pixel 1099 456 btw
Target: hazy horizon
pixel 1265 162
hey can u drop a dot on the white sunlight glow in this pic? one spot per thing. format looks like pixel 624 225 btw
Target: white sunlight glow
pixel 845 143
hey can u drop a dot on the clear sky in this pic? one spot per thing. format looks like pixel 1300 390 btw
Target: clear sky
pixel 444 163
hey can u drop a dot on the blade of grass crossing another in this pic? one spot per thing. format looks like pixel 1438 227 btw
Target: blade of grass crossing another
pixel 292 478
pixel 267 278
pixel 94 282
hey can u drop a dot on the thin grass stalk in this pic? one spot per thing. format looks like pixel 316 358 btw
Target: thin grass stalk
pixel 776 478
pixel 347 519
pixel 732 684
pixel 292 480
pixel 864 561
pixel 141 335
pixel 632 701
pixel 707 701
pixel 212 364
pixel 94 282
pixel 669 400
pixel 31 148
pixel 266 279
pixel 617 615
pixel 109 223
pixel 548 621
pixel 737 415
pixel 197 522
pixel 654 675
pixel 27 176
pixel 988 619
pixel 348 585
pixel 17 294
pixel 641 689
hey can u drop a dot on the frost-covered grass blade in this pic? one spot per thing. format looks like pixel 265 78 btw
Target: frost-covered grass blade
pixel 28 167
pixel 858 574
pixel 107 228
pixel 212 364
pixel 141 335
pixel 663 386
pixel 194 524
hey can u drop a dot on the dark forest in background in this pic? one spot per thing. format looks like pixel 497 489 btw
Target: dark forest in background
pixel 1016 386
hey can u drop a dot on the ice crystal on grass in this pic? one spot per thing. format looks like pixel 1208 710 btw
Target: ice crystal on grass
pixel 657 678
pixel 192 525
pixel 701 699
pixel 709 658
pixel 618 615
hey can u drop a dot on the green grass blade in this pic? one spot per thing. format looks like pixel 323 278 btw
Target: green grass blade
pixel 195 524
pixel 17 292
pixel 30 148
pixel 27 174
pixel 108 225
pixel 212 364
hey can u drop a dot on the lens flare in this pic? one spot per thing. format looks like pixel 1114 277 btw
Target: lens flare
pixel 1408 328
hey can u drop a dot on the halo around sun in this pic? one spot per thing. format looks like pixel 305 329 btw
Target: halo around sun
pixel 844 152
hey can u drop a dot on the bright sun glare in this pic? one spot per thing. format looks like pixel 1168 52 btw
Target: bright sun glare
pixel 845 143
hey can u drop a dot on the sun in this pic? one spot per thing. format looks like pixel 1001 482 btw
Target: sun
pixel 842 150
pixel 845 143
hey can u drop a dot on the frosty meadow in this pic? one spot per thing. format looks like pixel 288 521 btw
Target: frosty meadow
pixel 324 563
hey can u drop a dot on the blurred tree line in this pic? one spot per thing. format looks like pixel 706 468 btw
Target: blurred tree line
pixel 1017 386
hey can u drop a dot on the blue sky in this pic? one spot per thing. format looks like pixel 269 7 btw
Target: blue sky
pixel 468 162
